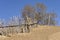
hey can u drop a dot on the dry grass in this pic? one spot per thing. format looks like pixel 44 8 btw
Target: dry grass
pixel 39 33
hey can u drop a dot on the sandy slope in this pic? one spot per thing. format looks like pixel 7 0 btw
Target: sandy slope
pixel 39 33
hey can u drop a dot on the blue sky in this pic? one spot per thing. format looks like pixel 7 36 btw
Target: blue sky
pixel 9 8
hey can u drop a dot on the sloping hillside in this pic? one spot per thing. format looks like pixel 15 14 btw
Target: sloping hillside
pixel 38 33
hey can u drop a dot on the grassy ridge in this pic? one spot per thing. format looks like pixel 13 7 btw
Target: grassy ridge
pixel 38 33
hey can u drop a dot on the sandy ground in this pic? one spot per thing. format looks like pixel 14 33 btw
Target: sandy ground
pixel 55 36
pixel 39 33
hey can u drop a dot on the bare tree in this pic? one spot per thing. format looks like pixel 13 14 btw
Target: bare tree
pixel 14 20
pixel 28 15
pixel 40 12
pixel 14 24
pixel 38 15
pixel 50 19
pixel 2 22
